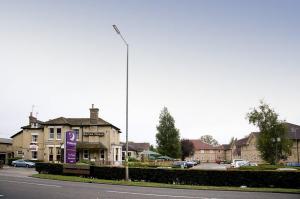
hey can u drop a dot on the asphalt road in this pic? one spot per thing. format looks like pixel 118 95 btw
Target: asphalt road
pixel 15 187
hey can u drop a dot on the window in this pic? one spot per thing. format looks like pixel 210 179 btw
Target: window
pixel 20 152
pixel 34 154
pixel 58 152
pixel 85 154
pixel 58 133
pixel 50 153
pixel 211 151
pixel 51 133
pixel 102 154
pixel 129 154
pixel 117 154
pixel 34 138
pixel 76 133
pixel 202 151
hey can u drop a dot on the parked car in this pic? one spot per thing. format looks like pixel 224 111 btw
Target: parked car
pixel 241 164
pixel 22 163
pixel 233 163
pixel 190 164
pixel 179 164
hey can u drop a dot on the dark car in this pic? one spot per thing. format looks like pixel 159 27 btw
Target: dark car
pixel 22 163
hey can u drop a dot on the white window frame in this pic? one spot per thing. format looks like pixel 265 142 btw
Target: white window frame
pixel 76 130
pixel 32 140
pixel 32 157
pixel 84 153
pixel 51 138
pixel 58 138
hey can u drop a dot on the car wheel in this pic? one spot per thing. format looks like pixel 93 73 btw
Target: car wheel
pixel 27 165
pixel 15 165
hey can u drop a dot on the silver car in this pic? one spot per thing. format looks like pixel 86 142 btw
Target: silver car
pixel 22 163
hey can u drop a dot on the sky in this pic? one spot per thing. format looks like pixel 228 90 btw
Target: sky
pixel 208 62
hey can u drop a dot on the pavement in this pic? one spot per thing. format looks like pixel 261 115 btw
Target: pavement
pixel 211 166
pixel 18 185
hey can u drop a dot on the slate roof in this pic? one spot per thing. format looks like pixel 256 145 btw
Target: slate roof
pixel 79 122
pixel 133 146
pixel 5 141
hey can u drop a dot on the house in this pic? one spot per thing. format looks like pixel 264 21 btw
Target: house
pixel 206 153
pixel 134 149
pixel 245 148
pixel 97 139
pixel 6 151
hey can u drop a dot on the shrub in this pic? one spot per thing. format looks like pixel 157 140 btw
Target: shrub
pixel 202 177
pixel 49 168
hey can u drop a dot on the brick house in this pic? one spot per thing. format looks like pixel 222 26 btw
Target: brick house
pixel 206 153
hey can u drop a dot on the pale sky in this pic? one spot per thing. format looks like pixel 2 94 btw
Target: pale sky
pixel 208 62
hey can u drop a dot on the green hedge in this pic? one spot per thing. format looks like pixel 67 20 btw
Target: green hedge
pixel 280 179
pixel 201 177
pixel 49 168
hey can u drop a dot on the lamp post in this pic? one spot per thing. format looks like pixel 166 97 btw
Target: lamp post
pixel 126 154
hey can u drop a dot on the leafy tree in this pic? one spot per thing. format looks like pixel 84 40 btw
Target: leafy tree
pixel 231 141
pixel 209 140
pixel 187 148
pixel 272 142
pixel 167 137
pixel 152 148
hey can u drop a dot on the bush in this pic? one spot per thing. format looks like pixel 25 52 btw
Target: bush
pixel 49 168
pixel 202 177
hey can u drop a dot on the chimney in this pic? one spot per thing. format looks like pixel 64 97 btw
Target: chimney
pixel 94 115
pixel 32 119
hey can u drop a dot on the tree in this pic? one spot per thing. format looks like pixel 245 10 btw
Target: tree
pixel 152 148
pixel 167 137
pixel 187 148
pixel 231 141
pixel 209 140
pixel 272 141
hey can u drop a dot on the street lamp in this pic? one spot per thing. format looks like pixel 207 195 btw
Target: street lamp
pixel 126 155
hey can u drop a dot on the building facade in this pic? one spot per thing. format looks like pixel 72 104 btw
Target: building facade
pixel 6 151
pixel 135 149
pixel 246 148
pixel 206 153
pixel 97 140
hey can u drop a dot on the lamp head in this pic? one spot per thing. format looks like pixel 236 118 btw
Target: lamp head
pixel 116 29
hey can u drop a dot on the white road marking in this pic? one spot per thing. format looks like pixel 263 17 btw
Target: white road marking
pixel 157 195
pixel 20 182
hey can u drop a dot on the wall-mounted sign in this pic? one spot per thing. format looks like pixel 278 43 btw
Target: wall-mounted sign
pixel 70 147
pixel 93 134
pixel 33 147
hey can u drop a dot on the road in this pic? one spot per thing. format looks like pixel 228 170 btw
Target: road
pixel 23 187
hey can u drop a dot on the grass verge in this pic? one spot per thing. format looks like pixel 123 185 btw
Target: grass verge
pixel 161 185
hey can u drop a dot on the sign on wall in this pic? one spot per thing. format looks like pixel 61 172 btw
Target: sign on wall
pixel 101 134
pixel 70 147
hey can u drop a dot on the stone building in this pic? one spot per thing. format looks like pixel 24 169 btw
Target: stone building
pixel 134 149
pixel 206 153
pixel 6 151
pixel 246 148
pixel 97 140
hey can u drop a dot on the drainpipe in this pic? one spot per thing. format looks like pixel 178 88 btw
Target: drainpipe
pixel 297 140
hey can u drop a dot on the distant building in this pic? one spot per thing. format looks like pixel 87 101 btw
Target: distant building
pixel 206 153
pixel 246 148
pixel 6 151
pixel 134 149
pixel 97 140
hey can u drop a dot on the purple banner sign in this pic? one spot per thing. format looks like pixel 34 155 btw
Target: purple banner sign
pixel 70 147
